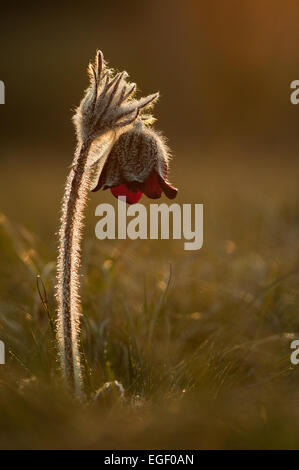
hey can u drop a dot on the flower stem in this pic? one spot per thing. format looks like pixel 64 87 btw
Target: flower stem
pixel 69 259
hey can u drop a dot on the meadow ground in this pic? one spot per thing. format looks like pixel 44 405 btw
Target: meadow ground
pixel 199 340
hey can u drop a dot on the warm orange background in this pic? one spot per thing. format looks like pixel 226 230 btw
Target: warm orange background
pixel 223 69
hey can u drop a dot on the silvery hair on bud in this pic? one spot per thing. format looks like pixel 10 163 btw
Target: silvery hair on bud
pixel 109 102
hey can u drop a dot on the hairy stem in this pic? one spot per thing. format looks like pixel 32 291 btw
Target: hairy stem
pixel 69 259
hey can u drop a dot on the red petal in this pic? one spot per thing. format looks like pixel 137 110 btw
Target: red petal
pixel 151 187
pixel 169 191
pixel 131 196
pixel 155 184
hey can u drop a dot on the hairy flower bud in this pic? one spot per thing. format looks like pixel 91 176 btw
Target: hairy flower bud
pixel 108 103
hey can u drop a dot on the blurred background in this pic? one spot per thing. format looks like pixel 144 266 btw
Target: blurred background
pixel 223 69
pixel 224 325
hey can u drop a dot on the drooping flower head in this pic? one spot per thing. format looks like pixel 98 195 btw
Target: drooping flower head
pixel 127 155
pixel 137 164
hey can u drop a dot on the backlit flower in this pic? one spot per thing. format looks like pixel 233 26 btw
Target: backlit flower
pixel 137 164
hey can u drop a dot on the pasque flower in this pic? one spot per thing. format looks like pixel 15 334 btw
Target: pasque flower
pixel 137 164
pixel 116 148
